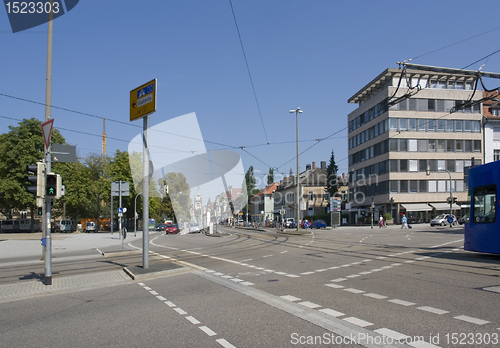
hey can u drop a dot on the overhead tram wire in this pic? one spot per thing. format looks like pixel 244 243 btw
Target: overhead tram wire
pixel 249 74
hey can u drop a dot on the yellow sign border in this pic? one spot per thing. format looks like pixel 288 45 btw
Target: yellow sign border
pixel 146 109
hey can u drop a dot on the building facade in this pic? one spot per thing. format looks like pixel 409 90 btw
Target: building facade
pixel 415 130
pixel 491 127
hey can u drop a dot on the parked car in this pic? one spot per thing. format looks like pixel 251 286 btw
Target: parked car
pixel 160 227
pixel 464 219
pixel 171 228
pixel 194 227
pixel 90 226
pixel 289 222
pixel 318 224
pixel 442 220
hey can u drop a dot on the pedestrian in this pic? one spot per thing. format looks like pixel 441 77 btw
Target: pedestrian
pixel 385 222
pixel 404 222
pixel 381 222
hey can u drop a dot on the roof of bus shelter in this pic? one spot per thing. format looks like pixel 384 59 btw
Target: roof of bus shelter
pixel 445 206
pixel 417 207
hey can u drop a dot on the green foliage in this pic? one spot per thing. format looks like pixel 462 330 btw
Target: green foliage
pixel 332 184
pixel 270 176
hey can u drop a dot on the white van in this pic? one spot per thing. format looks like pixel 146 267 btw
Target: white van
pixel 90 227
pixel 65 225
pixel 289 222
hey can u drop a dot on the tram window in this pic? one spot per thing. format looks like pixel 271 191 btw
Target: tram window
pixel 485 204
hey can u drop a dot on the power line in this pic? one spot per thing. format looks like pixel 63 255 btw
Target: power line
pixel 249 74
pixel 477 61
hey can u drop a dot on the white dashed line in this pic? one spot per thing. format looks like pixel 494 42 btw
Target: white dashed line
pixel 209 271
pixel 218 274
pixel 354 291
pixel 339 280
pixel 353 276
pixel 207 331
pixel 322 270
pixel 280 273
pixel 180 311
pixel 471 320
pixel 292 275
pixel 170 304
pixel 376 296
pixel 365 273
pixel 335 286
pixel 193 320
pixel 237 280
pixel 433 310
pixel 307 273
pixel 153 292
pixel 224 343
pixel 267 256
pixel 331 312
pixel 147 288
pixel 161 298
pixel 358 322
pixel 284 252
pixel 309 304
pixel 290 298
pixel 390 333
pixel 401 302
pixel 269 270
pixel 226 276
pixel 141 284
pixel 248 283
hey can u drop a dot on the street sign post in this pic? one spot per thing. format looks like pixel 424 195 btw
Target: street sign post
pixel 143 100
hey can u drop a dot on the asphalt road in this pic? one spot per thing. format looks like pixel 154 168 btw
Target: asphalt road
pixel 252 288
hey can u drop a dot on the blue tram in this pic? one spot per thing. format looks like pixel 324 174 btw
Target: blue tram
pixel 482 233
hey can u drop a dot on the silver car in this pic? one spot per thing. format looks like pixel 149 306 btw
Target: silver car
pixel 194 227
pixel 442 220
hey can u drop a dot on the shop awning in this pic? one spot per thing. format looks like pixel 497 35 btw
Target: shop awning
pixel 417 207
pixel 445 206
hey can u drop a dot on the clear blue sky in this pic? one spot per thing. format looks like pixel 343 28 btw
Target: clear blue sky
pixel 308 54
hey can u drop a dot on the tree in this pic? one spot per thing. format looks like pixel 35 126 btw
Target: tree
pixel 100 184
pixel 270 176
pixel 179 195
pixel 332 183
pixel 21 146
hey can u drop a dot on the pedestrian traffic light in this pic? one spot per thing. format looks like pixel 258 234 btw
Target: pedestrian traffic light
pixel 53 186
pixel 40 211
pixel 38 179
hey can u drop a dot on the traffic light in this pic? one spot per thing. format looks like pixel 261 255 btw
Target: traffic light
pixel 40 211
pixel 38 179
pixel 53 186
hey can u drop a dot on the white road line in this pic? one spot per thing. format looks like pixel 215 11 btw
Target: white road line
pixel 339 280
pixel 354 291
pixel 161 298
pixel 269 270
pixel 376 296
pixel 331 312
pixel 259 268
pixel 309 304
pixel 292 275
pixel 334 267
pixel 290 298
pixel 401 302
pixel 456 241
pixel 321 270
pixel 386 267
pixel 180 311
pixel 153 292
pixel 280 273
pixel 224 343
pixel 170 304
pixel 471 320
pixel 377 270
pixel 218 273
pixel 433 310
pixel 246 260
pixel 365 273
pixel 353 276
pixel 226 276
pixel 381 257
pixel 422 344
pixel 335 286
pixel 410 261
pixel 247 283
pixel 237 280
pixel 284 252
pixel 207 331
pixel 141 284
pixel 193 320
pixel 147 288
pixel 390 333
pixel 209 271
pixel 267 255
pixel 358 322
pixel 367 260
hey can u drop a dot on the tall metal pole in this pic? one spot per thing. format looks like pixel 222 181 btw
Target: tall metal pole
pixel 451 198
pixel 48 101
pixel 145 194
pixel 297 111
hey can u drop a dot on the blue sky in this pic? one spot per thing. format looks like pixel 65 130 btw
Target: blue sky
pixel 308 54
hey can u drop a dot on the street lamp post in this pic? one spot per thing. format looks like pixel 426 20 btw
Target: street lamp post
pixel 297 112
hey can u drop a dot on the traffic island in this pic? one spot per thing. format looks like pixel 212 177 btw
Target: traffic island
pixel 295 232
pixel 159 269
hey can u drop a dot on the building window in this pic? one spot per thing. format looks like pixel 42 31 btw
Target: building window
pixel 393 144
pixel 422 145
pixel 403 124
pixel 450 165
pixel 393 124
pixel 468 145
pixel 431 125
pixel 432 185
pixel 441 186
pixel 496 155
pixel 412 145
pixel 413 165
pixel 450 145
pixel 458 126
pixel 459 166
pixel 459 145
pixel 311 196
pixel 440 125
pixel 441 145
pixel 422 165
pixel 394 165
pixel 423 186
pixel 403 186
pixel 403 165
pixel 432 145
pixel 413 186
pixel 441 165
pixel 412 124
pixel 467 126
pixel 403 145
pixel 394 186
pixel 476 126
pixel 422 124
pixel 449 126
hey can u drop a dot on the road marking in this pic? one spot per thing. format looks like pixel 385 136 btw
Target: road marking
pixel 247 283
pixel 226 276
pixel 401 302
pixel 141 284
pixel 259 268
pixel 269 270
pixel 192 320
pixel 170 304
pixel 471 320
pixel 410 261
pixel 207 331
pixel 334 267
pixel 377 270
pixel 246 260
pixel 284 252
pixel 353 276
pixel 309 304
pixel 354 291
pixel 147 288
pixel 292 276
pixel 307 273
pixel 396 264
pixel 367 260
pixel 161 298
pixel 339 280
pixel 390 333
pixel 321 270
pixel 365 273
pixel 280 273
pixel 331 312
pixel 456 241
pixel 153 292
pixel 381 257
pixel 386 267
pixel 376 296
pixel 335 286
pixel 180 311
pixel 209 271
pixel 358 322
pixel 237 280
pixel 224 343
pixel 290 298
pixel 218 273
pixel 267 255
pixel 433 310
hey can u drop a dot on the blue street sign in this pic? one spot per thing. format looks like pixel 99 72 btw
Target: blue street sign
pixel 449 219
pixel 146 90
pixel 120 210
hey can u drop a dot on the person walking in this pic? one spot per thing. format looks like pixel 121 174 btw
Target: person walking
pixel 381 222
pixel 404 222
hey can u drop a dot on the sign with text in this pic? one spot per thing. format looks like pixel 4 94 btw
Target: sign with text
pixel 143 100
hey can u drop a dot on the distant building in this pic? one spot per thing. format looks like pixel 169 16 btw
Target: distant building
pixel 262 205
pixel 491 112
pixel 408 120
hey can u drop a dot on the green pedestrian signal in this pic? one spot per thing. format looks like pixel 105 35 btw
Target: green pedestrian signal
pixel 51 185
